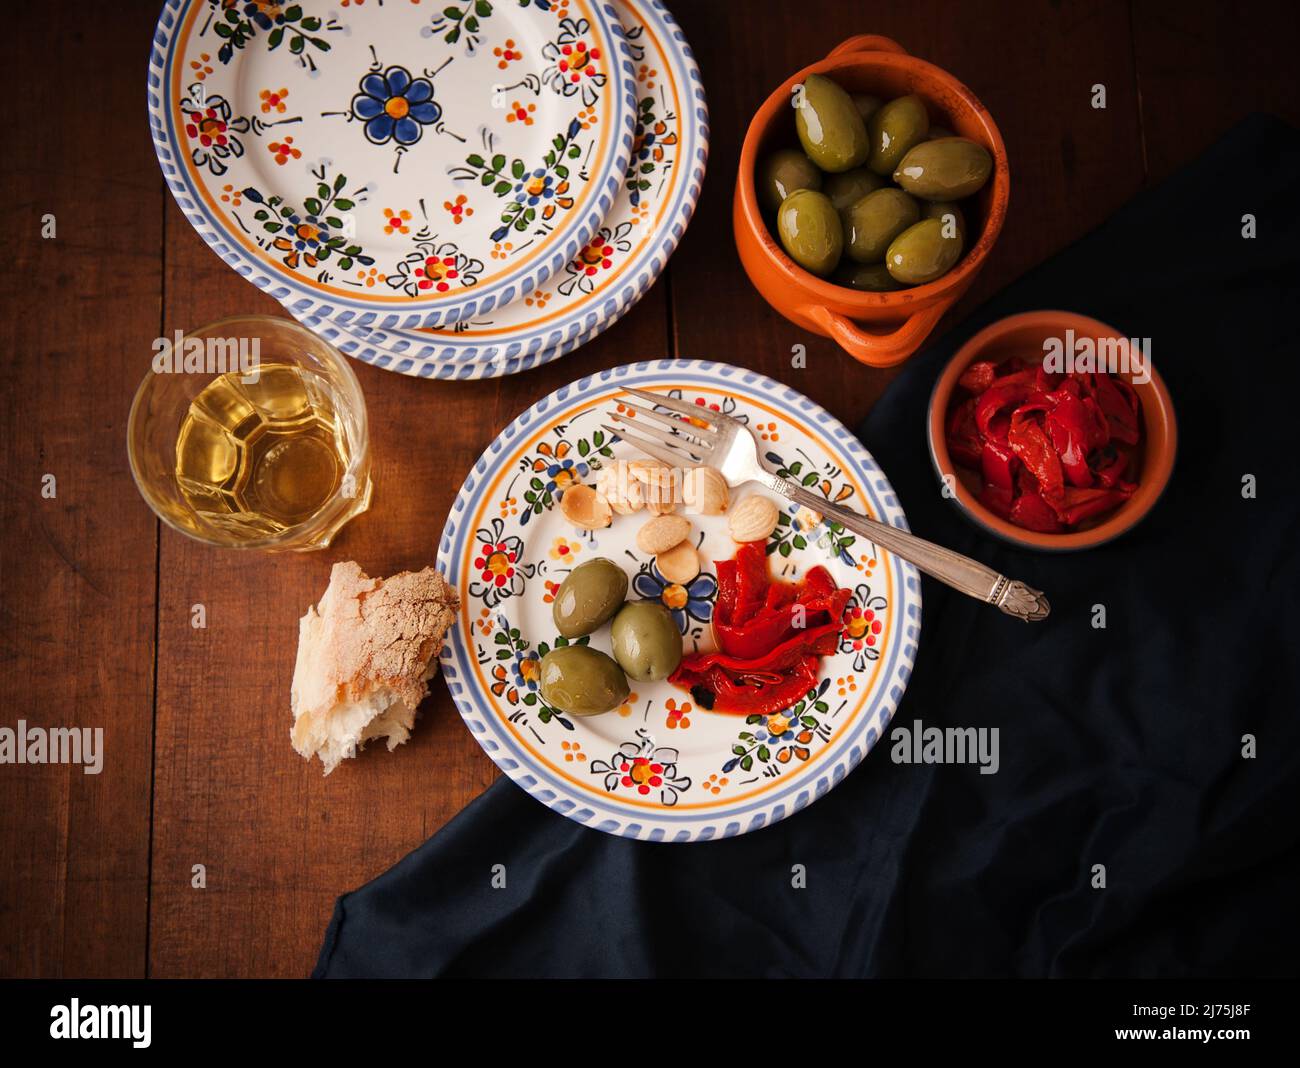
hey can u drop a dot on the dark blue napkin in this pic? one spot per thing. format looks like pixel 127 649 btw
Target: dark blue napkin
pixel 1119 747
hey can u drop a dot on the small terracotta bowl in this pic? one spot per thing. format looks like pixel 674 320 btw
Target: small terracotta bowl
pixel 1024 335
pixel 875 65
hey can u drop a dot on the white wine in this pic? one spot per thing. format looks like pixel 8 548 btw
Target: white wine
pixel 254 458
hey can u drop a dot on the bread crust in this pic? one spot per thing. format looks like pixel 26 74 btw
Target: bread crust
pixel 366 653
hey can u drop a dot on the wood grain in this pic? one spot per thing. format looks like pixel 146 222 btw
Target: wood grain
pixel 77 572
pixel 95 872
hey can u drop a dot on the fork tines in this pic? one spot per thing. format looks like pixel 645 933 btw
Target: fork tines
pixel 685 442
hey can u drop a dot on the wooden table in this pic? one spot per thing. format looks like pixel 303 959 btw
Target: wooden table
pixel 95 596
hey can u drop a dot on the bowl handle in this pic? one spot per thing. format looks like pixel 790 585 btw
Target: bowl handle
pixel 876 350
pixel 866 42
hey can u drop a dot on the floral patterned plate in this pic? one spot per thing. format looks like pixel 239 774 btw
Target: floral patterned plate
pixel 409 164
pixel 613 270
pixel 658 768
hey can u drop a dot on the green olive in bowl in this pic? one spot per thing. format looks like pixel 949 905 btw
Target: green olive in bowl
pixel 922 252
pixel 589 596
pixel 783 172
pixel 848 187
pixel 810 231
pixel 581 681
pixel 829 126
pixel 875 220
pixel 894 129
pixel 646 641
pixel 950 168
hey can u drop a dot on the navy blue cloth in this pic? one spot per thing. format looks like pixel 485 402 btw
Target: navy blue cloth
pixel 1120 747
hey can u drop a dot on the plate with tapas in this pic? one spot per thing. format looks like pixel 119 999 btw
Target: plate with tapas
pixel 651 651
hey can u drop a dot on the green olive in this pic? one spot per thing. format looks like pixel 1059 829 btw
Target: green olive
pixel 894 129
pixel 590 595
pixel 646 641
pixel 784 171
pixel 866 104
pixel 810 231
pixel 581 681
pixel 867 277
pixel 937 132
pixel 922 253
pixel 875 220
pixel 946 212
pixel 948 169
pixel 848 187
pixel 830 129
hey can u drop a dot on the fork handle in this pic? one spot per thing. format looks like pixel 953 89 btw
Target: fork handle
pixel 960 572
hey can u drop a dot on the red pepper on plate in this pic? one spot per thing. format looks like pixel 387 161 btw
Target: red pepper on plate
pixel 765 662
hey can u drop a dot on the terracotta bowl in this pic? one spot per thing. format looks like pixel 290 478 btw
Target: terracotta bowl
pixel 1024 335
pixel 899 322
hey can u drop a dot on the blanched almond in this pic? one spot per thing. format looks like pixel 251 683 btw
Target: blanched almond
pixel 662 484
pixel 584 507
pixel 679 564
pixel 704 491
pixel 753 519
pixel 662 533
pixel 616 484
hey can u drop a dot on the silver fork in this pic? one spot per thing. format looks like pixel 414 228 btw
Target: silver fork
pixel 729 445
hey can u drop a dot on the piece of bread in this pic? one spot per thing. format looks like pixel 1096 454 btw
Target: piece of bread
pixel 366 653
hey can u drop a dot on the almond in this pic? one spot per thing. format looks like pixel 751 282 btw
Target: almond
pixel 679 564
pixel 584 507
pixel 616 484
pixel 753 519
pixel 662 533
pixel 661 484
pixel 704 491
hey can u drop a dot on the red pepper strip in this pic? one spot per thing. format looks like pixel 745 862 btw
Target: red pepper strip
pixel 738 696
pixel 1110 463
pixel 1119 406
pixel 724 607
pixel 996 499
pixel 751 579
pixel 1030 511
pixel 1069 424
pixel 978 376
pixel 963 434
pixel 811 641
pixel 998 463
pixel 1009 391
pixel 1048 381
pixel 1098 429
pixel 1029 442
pixel 1080 504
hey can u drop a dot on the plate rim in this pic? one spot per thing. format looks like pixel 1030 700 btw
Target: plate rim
pixel 583 322
pixel 298 295
pixel 667 826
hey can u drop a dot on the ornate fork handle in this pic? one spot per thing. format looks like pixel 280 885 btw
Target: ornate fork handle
pixel 960 572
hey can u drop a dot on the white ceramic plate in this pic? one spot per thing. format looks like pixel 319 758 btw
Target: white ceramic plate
pixel 612 272
pixel 407 164
pixel 658 768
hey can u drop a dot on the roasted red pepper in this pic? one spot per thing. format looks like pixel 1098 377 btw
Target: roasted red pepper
pixel 770 636
pixel 1054 449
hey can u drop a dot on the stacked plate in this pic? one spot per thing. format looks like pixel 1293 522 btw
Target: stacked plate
pixel 459 189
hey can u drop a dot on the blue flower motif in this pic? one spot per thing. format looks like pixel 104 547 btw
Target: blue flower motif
pixel 308 232
pixel 535 188
pixel 526 677
pixel 395 107
pixel 566 472
pixel 684 603
pixel 262 18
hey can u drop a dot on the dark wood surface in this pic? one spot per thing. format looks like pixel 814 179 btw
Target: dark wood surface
pixel 95 598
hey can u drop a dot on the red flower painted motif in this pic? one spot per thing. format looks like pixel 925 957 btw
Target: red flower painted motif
pixel 641 773
pixel 496 564
pixel 577 59
pixel 437 273
pixel 206 127
pixel 596 256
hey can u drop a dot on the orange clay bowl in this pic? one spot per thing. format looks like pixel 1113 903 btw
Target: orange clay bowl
pixel 1024 335
pixel 898 322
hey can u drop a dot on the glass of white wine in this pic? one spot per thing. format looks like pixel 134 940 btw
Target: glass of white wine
pixel 251 433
